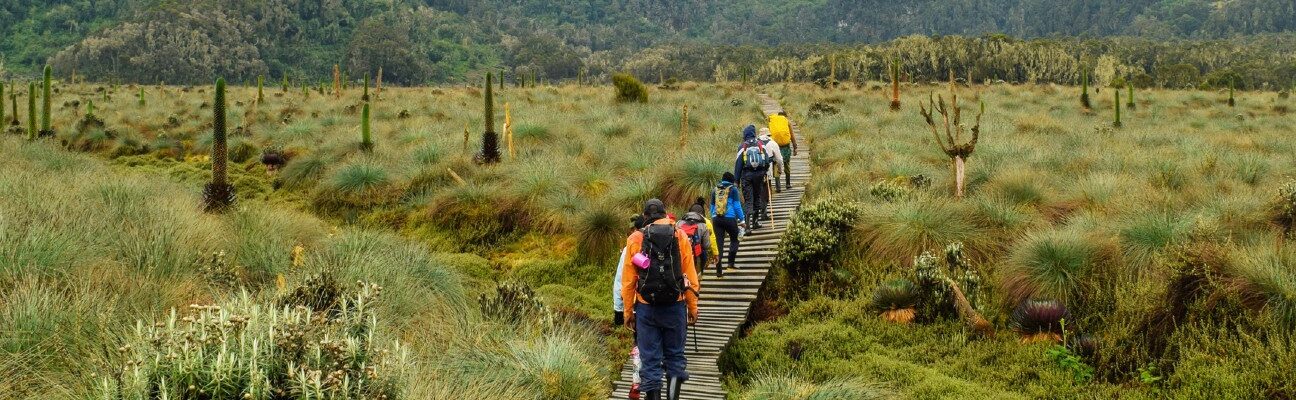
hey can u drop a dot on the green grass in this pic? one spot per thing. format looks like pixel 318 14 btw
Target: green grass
pixel 1059 206
pixel 90 248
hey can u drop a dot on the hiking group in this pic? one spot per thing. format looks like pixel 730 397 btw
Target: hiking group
pixel 659 270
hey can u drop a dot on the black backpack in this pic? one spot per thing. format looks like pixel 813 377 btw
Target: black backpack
pixel 662 283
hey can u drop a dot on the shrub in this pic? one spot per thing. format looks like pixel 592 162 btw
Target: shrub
pixel 889 190
pixel 629 89
pixel 244 349
pixel 1283 210
pixel 813 238
pixel 787 387
pixel 513 303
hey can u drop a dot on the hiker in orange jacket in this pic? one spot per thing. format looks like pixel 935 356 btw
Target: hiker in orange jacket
pixel 659 278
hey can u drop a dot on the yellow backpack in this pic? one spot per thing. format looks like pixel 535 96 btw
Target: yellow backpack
pixel 780 130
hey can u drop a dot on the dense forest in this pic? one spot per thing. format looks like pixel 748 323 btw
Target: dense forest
pixel 423 41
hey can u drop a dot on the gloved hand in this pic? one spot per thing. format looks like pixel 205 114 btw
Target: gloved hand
pixel 618 318
pixel 692 318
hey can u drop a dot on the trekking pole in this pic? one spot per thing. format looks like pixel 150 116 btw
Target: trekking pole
pixel 692 330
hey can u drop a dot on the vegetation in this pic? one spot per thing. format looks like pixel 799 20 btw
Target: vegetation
pixel 90 249
pixel 218 194
pixel 629 89
pixel 1084 87
pixel 490 152
pixel 366 136
pixel 154 40
pixel 1117 106
pixel 1138 264
pixel 31 110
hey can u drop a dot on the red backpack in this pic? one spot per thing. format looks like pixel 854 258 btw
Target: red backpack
pixel 691 230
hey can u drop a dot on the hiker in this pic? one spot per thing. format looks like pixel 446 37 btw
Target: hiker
pixel 773 149
pixel 618 305
pixel 781 131
pixel 751 166
pixel 701 234
pixel 659 279
pixel 726 216
pixel 618 309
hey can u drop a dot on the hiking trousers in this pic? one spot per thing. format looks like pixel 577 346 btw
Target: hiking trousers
pixel 755 195
pixel 661 332
pixel 787 167
pixel 725 228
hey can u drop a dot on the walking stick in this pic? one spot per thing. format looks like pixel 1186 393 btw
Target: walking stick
pixel 691 330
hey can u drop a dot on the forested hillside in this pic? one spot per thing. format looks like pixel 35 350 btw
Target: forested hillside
pixel 421 41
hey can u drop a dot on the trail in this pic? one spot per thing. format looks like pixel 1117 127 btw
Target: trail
pixel 724 303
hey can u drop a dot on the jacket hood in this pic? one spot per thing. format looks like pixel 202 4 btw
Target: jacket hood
pixel 749 132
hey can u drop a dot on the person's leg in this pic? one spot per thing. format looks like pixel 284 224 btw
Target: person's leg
pixel 749 197
pixel 753 186
pixel 762 200
pixel 674 320
pixel 727 228
pixel 787 165
pixel 718 223
pixel 649 338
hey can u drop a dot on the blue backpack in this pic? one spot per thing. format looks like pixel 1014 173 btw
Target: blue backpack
pixel 754 156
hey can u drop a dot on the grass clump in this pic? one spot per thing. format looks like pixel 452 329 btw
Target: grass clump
pixel 243 349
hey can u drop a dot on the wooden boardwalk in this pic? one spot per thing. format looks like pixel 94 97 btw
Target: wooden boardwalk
pixel 725 302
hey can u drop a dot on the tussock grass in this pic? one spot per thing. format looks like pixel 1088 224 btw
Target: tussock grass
pixel 89 249
pixel 1059 206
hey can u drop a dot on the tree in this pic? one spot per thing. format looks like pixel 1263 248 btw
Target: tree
pixel 218 195
pixel 952 117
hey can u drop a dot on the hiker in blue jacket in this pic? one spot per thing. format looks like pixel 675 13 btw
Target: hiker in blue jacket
pixel 751 167
pixel 727 215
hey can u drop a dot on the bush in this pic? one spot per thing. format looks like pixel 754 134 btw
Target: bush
pixel 629 89
pixel 772 387
pixel 513 303
pixel 244 349
pixel 813 239
pixel 1283 210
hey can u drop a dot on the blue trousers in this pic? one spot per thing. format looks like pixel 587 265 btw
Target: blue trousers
pixel 661 334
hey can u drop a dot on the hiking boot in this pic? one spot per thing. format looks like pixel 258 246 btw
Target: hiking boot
pixel 654 394
pixel 765 217
pixel 634 392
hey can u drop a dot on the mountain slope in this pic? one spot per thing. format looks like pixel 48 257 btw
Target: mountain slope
pixel 418 41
